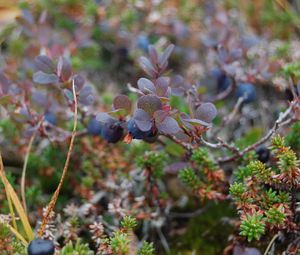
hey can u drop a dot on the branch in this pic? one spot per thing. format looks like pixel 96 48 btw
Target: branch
pixel 186 146
pixel 23 178
pixel 270 244
pixel 278 123
pixel 226 92
pixel 53 200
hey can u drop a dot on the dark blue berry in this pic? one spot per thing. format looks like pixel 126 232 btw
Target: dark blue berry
pixel 50 117
pixel 143 42
pixel 151 138
pixel 41 247
pixel 263 154
pixel 135 132
pixel 248 90
pixel 112 131
pixel 94 127
pixel 223 81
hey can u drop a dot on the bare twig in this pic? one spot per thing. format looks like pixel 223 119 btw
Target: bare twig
pixel 186 146
pixel 226 120
pixel 56 193
pixel 278 123
pixel 23 178
pixel 271 243
pixel 163 240
pixel 220 144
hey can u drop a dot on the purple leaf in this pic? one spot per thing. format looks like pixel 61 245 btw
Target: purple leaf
pixel 45 64
pixel 147 66
pixel 162 86
pixel 142 120
pixel 87 90
pixel 236 54
pixel 64 69
pixel 149 104
pixel 222 52
pixel 103 117
pixel 145 85
pixel 40 98
pixel 153 54
pixel 87 100
pixel 44 78
pixel 206 112
pixel 69 94
pixel 26 14
pixel 4 84
pixel 168 126
pixel 238 250
pixel 160 115
pixel 122 102
pixel 163 59
pixel 78 82
pixel 86 95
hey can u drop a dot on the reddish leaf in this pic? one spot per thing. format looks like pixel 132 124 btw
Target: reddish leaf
pixel 122 102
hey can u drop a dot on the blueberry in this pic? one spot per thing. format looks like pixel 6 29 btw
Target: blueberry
pixel 135 132
pixel 263 154
pixel 41 247
pixel 94 127
pixel 112 131
pixel 143 42
pixel 151 138
pixel 50 117
pixel 246 89
pixel 223 81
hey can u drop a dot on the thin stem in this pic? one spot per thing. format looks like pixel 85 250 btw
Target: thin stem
pixel 278 123
pixel 186 146
pixel 270 244
pixel 163 240
pixel 54 198
pixel 23 178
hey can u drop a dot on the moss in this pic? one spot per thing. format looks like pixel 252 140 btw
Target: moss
pixel 207 233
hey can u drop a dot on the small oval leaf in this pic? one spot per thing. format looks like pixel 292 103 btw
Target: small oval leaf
pixel 45 64
pixel 149 104
pixel 122 102
pixel 168 126
pixel 206 112
pixel 142 120
pixel 145 85
pixel 44 78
